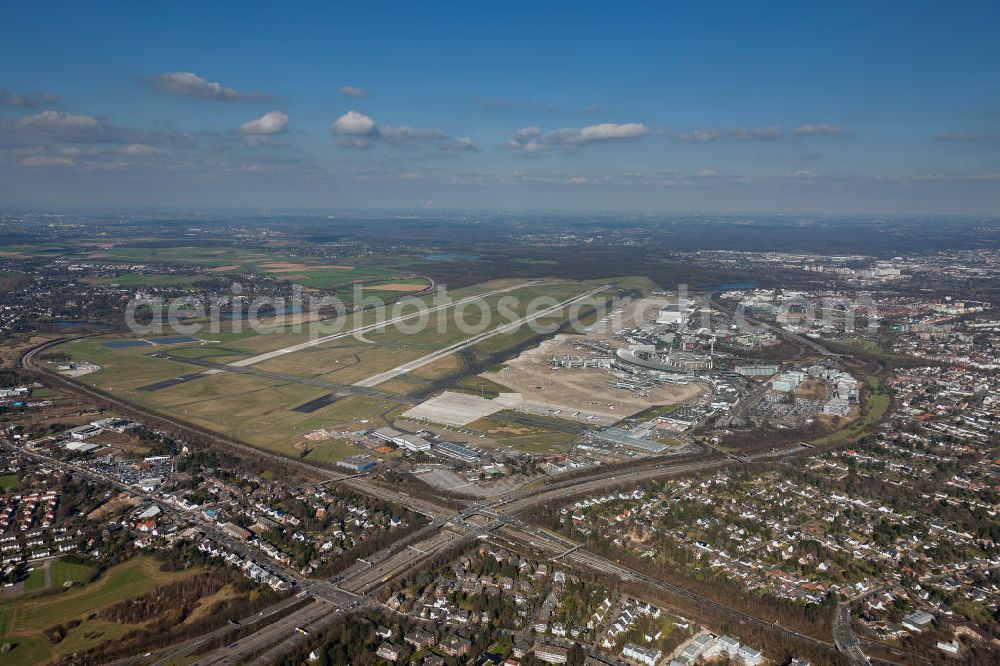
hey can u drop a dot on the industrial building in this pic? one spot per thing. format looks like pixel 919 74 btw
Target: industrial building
pixel 457 451
pixel 837 407
pixel 646 356
pixel 413 443
pixel 788 382
pixel 629 440
pixel 85 431
pixel 403 441
pixel 675 313
pixel 357 463
pixel 757 370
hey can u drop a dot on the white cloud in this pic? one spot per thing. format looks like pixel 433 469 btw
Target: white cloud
pixel 58 121
pixel 354 124
pixel 189 84
pixel 602 132
pixel 356 130
pixel 61 127
pixel 139 149
pixel 351 91
pixel 757 133
pixel 531 139
pixel 819 129
pixel 272 122
pixel 465 143
pixel 46 161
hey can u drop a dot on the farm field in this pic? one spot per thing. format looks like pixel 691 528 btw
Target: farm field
pixel 283 262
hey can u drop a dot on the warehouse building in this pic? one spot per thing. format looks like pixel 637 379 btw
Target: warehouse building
pixel 629 440
pixel 357 463
pixel 457 451
pixel 403 441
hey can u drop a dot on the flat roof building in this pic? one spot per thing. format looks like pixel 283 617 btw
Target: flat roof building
pixel 457 451
pixel 621 437
pixel 357 463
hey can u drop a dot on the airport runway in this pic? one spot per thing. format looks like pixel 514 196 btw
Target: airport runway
pixel 253 360
pixel 410 366
pixel 366 580
pixel 344 389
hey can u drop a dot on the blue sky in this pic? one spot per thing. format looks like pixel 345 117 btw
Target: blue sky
pixel 885 107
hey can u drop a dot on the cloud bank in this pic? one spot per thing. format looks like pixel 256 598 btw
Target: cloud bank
pixel 189 84
pixel 531 139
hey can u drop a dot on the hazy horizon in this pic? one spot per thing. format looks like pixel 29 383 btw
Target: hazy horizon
pixel 848 109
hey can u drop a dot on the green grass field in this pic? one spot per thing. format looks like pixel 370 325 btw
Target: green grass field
pixel 60 572
pixel 8 481
pixel 23 621
pixel 287 262
pixel 315 272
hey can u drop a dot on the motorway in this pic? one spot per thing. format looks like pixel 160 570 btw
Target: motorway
pixel 843 635
pixel 175 652
pixel 316 613
pixel 362 579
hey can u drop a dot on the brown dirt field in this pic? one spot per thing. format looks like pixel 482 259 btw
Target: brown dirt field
pixel 205 604
pixel 11 352
pixel 111 438
pixel 112 506
pixel 508 430
pixel 588 391
pixel 222 269
pixel 811 388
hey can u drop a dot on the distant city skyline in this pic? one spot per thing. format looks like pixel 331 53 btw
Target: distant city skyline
pixel 880 108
